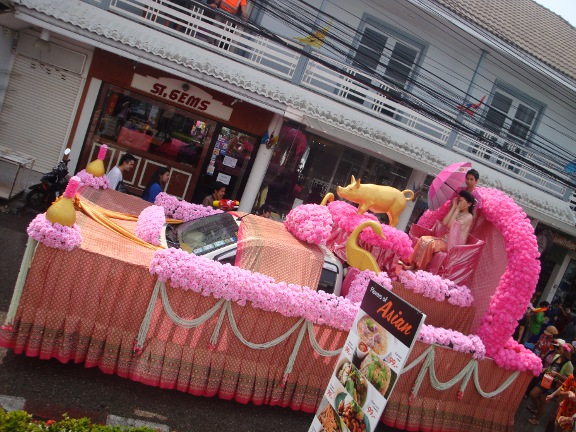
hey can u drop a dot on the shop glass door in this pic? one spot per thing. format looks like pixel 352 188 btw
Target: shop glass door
pixel 229 162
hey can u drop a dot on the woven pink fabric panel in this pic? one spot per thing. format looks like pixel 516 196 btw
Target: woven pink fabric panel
pixel 489 270
pixel 442 411
pixel 439 314
pixel 265 246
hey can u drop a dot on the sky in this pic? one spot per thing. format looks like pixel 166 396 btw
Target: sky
pixel 565 8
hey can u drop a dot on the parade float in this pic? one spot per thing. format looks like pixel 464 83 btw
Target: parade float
pixel 96 287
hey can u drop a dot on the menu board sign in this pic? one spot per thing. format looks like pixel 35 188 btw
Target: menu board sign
pixel 372 358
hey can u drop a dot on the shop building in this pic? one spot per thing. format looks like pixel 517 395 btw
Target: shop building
pixel 202 135
pixel 289 105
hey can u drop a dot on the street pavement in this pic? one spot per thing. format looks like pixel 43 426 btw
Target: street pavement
pixel 48 388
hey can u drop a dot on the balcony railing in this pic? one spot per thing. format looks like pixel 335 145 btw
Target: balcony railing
pixel 227 36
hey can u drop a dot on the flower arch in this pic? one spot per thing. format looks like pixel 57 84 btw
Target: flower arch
pixel 516 285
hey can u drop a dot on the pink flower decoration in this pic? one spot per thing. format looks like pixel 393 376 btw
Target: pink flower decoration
pixel 437 288
pixel 150 223
pixel 346 219
pixel 311 223
pixel 516 285
pixel 360 283
pixel 211 278
pixel 54 235
pixel 182 210
pixel 72 187
pixel 102 151
pixel 470 344
pixel 87 179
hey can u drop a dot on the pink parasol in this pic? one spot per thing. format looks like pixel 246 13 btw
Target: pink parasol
pixel 446 184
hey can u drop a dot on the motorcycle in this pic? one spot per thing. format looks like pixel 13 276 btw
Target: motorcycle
pixel 51 186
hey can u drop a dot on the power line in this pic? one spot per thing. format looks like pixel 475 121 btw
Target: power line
pixel 301 22
pixel 535 138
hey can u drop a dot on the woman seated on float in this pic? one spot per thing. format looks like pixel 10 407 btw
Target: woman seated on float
pixel 458 223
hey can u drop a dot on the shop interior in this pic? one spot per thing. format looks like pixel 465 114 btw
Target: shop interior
pixel 305 167
pixel 199 151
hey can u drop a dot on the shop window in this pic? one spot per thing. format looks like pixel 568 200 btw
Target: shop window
pixel 305 167
pixel 141 124
pixel 160 134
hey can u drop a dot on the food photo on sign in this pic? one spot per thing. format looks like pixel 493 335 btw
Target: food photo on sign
pixel 372 358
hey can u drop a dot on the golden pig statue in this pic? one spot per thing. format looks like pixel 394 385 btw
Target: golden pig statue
pixel 376 198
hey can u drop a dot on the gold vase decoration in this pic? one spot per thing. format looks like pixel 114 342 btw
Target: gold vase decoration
pixel 62 211
pixel 96 167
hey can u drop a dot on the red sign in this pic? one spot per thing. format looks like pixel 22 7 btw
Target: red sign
pixel 182 93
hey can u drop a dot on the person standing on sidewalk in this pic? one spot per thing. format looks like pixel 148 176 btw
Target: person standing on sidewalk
pixel 560 368
pixel 567 409
pixel 537 318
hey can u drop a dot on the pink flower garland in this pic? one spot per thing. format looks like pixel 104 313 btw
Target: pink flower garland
pixel 346 218
pixel 360 283
pixel 150 223
pixel 453 339
pixel 182 210
pixel 87 179
pixel 54 235
pixel 207 277
pixel 435 287
pixel 517 357
pixel 311 223
pixel 516 285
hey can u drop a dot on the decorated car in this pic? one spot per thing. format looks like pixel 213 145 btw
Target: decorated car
pixel 103 290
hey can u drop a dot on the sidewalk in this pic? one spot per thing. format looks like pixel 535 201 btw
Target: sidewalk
pixel 523 415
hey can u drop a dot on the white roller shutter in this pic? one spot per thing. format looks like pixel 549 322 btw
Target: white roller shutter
pixel 37 110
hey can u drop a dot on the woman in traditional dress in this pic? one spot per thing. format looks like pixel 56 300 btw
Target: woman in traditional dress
pixel 458 222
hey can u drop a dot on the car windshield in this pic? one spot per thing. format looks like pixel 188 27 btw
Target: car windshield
pixel 203 235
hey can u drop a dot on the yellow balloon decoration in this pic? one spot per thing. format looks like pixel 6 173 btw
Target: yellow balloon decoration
pixel 96 167
pixel 62 211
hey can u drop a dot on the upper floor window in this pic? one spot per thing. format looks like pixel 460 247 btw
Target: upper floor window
pixel 386 53
pixel 511 114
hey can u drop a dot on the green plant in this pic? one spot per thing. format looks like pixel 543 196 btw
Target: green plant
pixel 21 421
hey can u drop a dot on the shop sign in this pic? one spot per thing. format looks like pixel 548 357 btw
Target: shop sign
pixel 566 243
pixel 371 361
pixel 183 94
